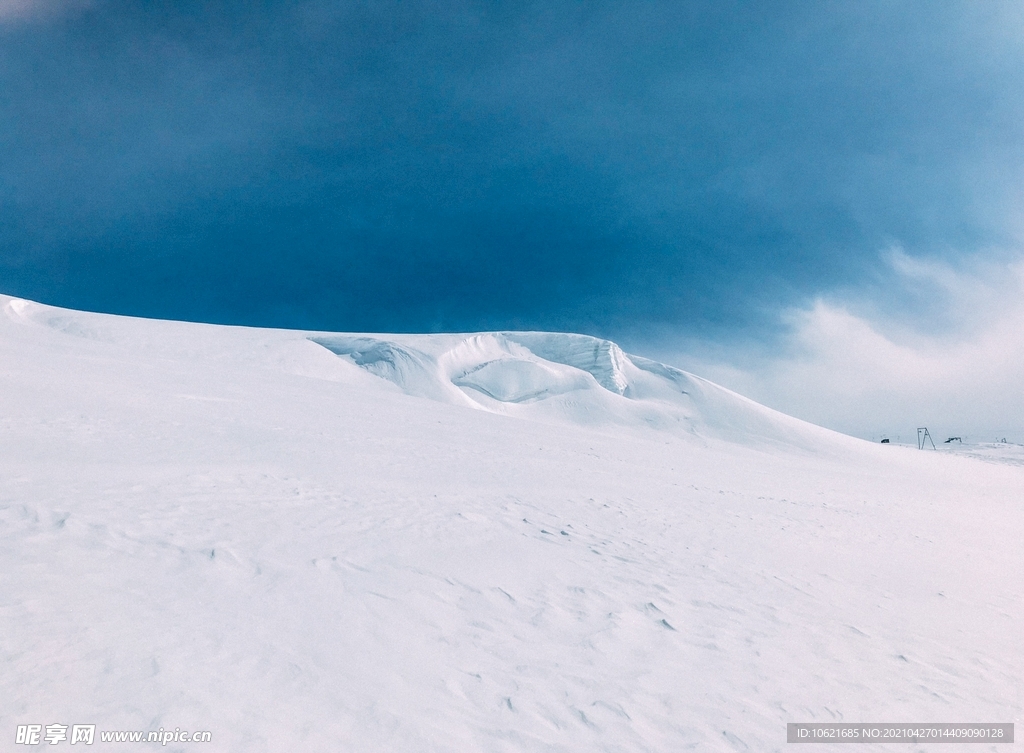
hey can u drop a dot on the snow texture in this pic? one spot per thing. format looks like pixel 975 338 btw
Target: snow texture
pixel 486 542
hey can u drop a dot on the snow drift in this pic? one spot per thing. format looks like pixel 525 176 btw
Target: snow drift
pixel 568 378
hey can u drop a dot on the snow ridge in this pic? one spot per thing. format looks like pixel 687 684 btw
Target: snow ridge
pixel 560 377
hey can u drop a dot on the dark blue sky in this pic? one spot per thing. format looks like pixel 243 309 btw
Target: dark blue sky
pixel 610 168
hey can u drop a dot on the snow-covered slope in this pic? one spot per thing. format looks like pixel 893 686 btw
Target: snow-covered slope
pixel 496 542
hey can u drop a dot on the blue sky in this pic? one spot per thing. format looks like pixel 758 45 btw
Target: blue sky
pixel 685 177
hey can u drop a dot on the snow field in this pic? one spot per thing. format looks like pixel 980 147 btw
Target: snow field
pixel 495 542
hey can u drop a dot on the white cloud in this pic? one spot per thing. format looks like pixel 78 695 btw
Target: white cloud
pixel 857 367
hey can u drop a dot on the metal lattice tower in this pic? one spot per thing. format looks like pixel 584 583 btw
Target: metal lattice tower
pixel 923 436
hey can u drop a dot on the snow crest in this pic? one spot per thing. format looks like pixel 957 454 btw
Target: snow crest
pixel 561 377
pixel 507 367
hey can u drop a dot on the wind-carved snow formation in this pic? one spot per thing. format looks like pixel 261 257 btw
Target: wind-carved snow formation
pixel 507 367
pixel 566 377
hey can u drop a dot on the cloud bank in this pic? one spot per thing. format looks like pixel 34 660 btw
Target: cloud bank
pixel 857 367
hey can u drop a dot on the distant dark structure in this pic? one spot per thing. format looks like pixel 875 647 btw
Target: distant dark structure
pixel 923 436
pixel 885 441
pixel 953 439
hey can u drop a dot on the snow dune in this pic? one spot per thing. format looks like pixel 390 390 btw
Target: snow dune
pixel 569 378
pixel 495 542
